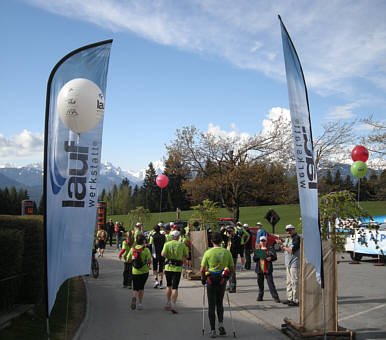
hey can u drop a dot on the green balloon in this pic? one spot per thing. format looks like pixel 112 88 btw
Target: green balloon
pixel 359 169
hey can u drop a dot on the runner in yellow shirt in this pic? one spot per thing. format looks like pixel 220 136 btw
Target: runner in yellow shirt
pixel 218 263
pixel 175 254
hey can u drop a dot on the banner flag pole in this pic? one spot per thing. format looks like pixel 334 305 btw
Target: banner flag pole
pixel 75 103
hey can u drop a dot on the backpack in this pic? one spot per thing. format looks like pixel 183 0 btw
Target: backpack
pixel 136 258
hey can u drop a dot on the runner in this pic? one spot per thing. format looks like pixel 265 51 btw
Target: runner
pixel 127 265
pixel 185 239
pixel 175 253
pixel 232 243
pixel 157 241
pixel 140 258
pixel 167 233
pixel 138 229
pixel 244 237
pixel 101 237
pixel 215 262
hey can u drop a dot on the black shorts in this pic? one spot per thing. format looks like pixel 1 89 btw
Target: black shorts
pixel 139 281
pixel 240 251
pixel 172 279
pixel 101 244
pixel 158 264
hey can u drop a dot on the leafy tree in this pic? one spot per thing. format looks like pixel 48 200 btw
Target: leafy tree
pixel 223 164
pixel 343 206
pixel 139 214
pixel 376 140
pixel 204 213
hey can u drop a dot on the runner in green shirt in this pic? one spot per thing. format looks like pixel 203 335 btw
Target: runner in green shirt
pixel 244 236
pixel 216 267
pixel 139 255
pixel 175 253
pixel 127 269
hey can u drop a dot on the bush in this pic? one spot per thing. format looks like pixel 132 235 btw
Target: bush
pixel 32 283
pixel 11 266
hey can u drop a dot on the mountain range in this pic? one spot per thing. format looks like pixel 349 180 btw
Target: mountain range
pixel 30 177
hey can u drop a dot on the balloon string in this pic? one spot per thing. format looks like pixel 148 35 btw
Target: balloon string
pixel 160 207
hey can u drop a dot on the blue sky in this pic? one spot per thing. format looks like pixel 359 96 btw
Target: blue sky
pixel 215 64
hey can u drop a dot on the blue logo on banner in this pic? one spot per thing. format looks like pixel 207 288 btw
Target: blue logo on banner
pixel 59 179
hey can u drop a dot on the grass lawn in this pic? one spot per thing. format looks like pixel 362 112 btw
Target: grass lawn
pixel 289 214
pixel 32 325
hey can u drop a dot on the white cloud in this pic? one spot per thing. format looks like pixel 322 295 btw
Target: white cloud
pixel 342 112
pixel 216 131
pixel 338 42
pixel 274 114
pixel 26 145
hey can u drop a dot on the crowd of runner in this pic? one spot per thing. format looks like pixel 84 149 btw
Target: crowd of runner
pixel 167 250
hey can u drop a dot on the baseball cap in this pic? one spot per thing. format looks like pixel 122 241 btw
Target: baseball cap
pixel 175 233
pixel 263 238
pixel 259 223
pixel 289 227
pixel 239 223
pixel 245 225
pixel 138 224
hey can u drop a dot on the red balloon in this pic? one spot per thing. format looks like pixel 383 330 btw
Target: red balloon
pixel 162 181
pixel 360 153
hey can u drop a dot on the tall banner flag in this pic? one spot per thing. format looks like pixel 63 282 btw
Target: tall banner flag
pixel 72 150
pixel 304 153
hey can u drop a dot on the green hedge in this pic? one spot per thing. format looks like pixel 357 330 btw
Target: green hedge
pixel 11 266
pixel 32 267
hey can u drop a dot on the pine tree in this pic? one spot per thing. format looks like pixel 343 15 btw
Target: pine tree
pixel 176 195
pixel 150 192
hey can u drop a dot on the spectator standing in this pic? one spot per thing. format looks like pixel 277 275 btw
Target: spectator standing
pixel 110 231
pixel 116 231
pixel 248 247
pixel 121 232
pixel 264 268
pixel 260 232
pixel 291 247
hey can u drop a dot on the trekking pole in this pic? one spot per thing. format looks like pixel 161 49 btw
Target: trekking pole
pixel 230 313
pixel 203 312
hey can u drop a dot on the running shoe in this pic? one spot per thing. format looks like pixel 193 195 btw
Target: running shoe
pixel 140 306
pixel 168 306
pixel 212 333
pixel 221 330
pixel 133 303
pixel 155 284
pixel 161 286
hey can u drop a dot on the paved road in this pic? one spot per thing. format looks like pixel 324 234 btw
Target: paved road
pixel 362 306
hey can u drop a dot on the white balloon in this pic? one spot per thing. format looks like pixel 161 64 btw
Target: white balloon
pixel 80 104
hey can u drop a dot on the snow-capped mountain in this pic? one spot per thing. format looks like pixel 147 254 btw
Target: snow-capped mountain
pixel 30 177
